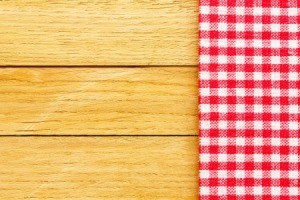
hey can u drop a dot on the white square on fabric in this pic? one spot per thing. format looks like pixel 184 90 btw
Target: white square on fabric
pixel 275 125
pixel 293 142
pixel 240 10
pixel 205 59
pixel 222 191
pixel 258 60
pixel 204 141
pixel 293 174
pixel 205 10
pixel 222 158
pixel 205 158
pixel 293 158
pixel 222 142
pixel 293 92
pixel 205 42
pixel 258 125
pixel 257 27
pixel 258 76
pixel 240 108
pixel 258 157
pixel 222 42
pixel 222 75
pixel 257 11
pixel 257 43
pixel 204 173
pixel 293 44
pixel 204 26
pixel 293 76
pixel 222 92
pixel 240 27
pixel 240 174
pixel 275 191
pixel 293 60
pixel 275 92
pixel 258 92
pixel 257 174
pixel 275 60
pixel 205 125
pixel 240 43
pixel 258 141
pixel 292 12
pixel 293 109
pixel 293 191
pixel 240 92
pixel 275 142
pixel 240 125
pixel 222 10
pixel 222 59
pixel 222 124
pixel 275 43
pixel 205 108
pixel 275 11
pixel 205 75
pixel 222 26
pixel 239 190
pixel 240 76
pixel 293 126
pixel 222 174
pixel 293 28
pixel 223 108
pixel 275 158
pixel 275 76
pixel 257 190
pixel 240 158
pixel 240 141
pixel 275 174
pixel 258 108
pixel 275 27
pixel 275 108
pixel 205 191
pixel 205 92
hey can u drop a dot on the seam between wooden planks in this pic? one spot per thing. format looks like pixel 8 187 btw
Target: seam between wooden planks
pixel 97 66
pixel 116 135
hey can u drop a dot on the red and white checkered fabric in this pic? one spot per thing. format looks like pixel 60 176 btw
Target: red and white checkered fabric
pixel 249 99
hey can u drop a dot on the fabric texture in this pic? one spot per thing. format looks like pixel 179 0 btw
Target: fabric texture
pixel 249 99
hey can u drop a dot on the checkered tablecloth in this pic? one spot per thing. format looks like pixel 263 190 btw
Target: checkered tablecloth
pixel 249 99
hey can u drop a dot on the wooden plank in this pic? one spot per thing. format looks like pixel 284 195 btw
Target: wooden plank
pixel 102 32
pixel 98 168
pixel 149 100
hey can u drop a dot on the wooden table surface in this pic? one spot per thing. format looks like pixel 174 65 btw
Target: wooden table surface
pixel 98 99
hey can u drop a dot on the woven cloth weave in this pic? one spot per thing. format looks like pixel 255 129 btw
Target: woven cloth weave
pixel 249 99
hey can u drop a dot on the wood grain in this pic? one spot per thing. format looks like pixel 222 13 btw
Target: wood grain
pixel 98 168
pixel 98 32
pixel 147 100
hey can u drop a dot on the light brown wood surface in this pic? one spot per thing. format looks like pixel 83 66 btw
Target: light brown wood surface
pixel 98 168
pixel 98 32
pixel 100 101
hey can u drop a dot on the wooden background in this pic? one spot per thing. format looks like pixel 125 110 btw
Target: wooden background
pixel 98 99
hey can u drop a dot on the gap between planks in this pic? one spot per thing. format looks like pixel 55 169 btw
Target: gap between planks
pixel 87 135
pixel 95 66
